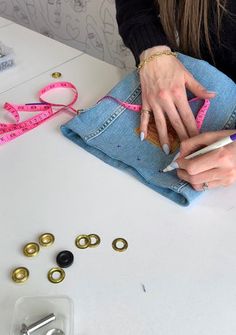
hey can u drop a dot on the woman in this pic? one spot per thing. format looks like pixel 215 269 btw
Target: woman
pixel 203 29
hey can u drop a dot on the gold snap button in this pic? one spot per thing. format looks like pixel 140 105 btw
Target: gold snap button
pixel 94 240
pixel 20 275
pixel 31 249
pixel 47 239
pixel 56 275
pixel 82 241
pixel 56 75
pixel 117 241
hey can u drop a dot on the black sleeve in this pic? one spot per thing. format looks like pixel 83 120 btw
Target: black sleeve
pixel 139 25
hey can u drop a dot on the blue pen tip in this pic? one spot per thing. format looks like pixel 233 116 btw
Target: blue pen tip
pixel 233 137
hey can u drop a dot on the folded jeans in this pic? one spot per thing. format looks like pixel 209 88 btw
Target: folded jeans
pixel 111 132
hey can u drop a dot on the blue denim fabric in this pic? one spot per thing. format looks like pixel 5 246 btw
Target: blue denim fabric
pixel 108 130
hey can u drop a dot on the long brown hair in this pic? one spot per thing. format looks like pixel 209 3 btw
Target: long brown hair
pixel 189 19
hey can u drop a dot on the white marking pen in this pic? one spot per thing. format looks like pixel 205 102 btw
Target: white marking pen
pixel 219 144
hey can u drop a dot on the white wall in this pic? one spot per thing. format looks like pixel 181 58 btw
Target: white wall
pixel 88 25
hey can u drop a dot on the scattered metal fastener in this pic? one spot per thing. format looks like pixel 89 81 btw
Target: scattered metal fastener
pixel 55 331
pixel 87 241
pixel 31 249
pixel 47 239
pixel 37 325
pixel 65 259
pixel 20 275
pixel 56 75
pixel 122 241
pixel 82 238
pixel 60 275
pixel 92 238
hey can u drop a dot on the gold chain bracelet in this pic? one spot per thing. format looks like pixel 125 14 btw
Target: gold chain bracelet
pixel 157 54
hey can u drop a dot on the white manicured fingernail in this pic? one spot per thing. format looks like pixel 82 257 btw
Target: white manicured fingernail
pixel 176 156
pixel 171 166
pixel 142 136
pixel 166 149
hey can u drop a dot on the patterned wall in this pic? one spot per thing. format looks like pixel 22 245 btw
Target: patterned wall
pixel 88 25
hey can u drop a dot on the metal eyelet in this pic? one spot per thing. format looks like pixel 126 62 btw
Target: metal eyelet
pixel 56 75
pixel 84 238
pixel 20 275
pixel 47 239
pixel 97 240
pixel 59 271
pixel 123 241
pixel 79 111
pixel 31 249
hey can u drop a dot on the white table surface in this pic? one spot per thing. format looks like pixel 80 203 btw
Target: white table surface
pixel 42 54
pixel 184 257
pixel 4 22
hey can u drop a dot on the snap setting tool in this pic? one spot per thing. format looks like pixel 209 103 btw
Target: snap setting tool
pixel 37 325
pixel 55 331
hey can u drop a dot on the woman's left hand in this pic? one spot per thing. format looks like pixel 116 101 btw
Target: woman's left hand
pixel 213 169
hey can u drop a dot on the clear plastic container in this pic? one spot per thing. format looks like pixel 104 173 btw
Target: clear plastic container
pixel 29 310
pixel 7 58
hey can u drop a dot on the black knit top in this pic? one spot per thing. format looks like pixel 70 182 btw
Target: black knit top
pixel 140 27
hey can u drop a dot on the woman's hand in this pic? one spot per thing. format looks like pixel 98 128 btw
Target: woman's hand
pixel 216 168
pixel 163 82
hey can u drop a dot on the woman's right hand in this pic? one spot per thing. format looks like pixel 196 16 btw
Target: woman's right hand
pixel 163 82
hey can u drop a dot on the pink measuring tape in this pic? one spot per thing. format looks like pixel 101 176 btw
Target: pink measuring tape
pixel 10 131
pixel 137 108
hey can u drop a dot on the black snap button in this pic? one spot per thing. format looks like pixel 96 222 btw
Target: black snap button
pixel 65 258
